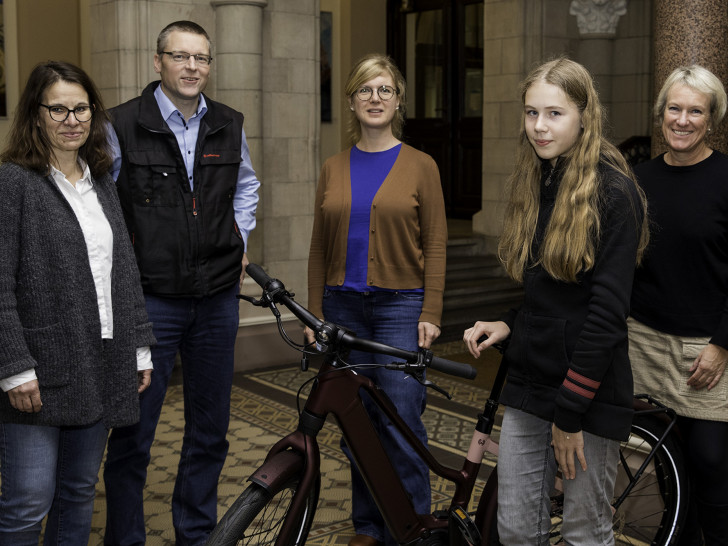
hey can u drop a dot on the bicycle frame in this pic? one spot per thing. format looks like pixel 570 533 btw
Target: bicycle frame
pixel 644 404
pixel 337 392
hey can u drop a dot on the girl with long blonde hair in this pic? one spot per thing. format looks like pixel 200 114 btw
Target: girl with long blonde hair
pixel 574 229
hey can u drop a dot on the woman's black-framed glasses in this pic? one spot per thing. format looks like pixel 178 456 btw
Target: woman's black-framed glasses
pixel 61 113
pixel 384 93
pixel 182 57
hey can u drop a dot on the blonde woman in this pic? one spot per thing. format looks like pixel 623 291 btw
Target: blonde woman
pixel 574 229
pixel 678 329
pixel 377 264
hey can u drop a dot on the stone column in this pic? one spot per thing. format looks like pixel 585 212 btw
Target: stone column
pixel 597 21
pixel 238 65
pixel 690 32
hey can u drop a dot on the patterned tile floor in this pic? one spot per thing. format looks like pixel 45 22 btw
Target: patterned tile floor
pixel 263 410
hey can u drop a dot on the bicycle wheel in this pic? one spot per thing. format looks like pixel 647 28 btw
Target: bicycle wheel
pixel 654 511
pixel 257 515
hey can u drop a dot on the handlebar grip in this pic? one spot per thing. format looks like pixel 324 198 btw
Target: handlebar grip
pixel 258 274
pixel 458 369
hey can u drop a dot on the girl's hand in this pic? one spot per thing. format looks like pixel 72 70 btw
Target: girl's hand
pixel 567 445
pixel 495 332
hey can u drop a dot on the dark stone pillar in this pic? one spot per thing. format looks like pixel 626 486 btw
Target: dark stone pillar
pixel 691 32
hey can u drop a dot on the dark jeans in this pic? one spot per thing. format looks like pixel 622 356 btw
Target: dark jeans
pixel 390 318
pixel 203 331
pixel 48 471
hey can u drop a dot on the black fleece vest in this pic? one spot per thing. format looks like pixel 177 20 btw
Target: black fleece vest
pixel 187 243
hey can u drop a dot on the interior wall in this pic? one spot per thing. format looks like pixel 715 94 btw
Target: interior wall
pixel 10 63
pixel 36 31
pixel 48 30
pixel 521 35
pixel 359 28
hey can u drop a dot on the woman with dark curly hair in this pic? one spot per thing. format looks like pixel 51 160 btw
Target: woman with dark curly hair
pixel 74 334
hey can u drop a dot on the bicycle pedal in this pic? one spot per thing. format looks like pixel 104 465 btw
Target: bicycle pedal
pixel 441 514
pixel 461 521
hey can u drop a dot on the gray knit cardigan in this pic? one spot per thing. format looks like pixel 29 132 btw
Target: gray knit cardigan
pixel 49 317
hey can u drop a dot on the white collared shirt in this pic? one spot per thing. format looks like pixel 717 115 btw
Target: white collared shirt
pixel 99 239
pixel 100 244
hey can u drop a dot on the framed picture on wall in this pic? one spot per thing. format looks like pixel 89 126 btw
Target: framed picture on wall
pixel 326 51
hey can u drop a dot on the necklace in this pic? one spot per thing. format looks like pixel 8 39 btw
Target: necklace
pixel 548 178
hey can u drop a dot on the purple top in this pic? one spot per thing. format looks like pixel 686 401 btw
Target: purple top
pixel 368 171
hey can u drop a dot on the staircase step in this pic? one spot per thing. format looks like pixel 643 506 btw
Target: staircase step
pixel 465 246
pixel 473 267
pixel 476 287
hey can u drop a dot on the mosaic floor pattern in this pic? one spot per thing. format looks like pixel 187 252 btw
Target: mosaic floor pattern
pixel 263 410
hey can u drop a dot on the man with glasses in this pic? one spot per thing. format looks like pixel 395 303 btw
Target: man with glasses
pixel 189 195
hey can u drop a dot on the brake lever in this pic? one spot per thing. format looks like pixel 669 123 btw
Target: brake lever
pixel 434 387
pixel 251 299
pixel 415 370
pixel 265 301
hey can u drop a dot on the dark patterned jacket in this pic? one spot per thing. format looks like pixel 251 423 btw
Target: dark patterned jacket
pixel 49 318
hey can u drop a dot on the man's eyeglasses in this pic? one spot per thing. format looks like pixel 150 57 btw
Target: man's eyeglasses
pixel 183 57
pixel 384 92
pixel 61 113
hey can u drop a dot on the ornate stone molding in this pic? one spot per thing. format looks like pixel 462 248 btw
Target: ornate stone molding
pixel 598 18
pixel 255 3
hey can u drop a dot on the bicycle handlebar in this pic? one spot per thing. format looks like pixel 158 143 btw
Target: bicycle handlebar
pixel 277 293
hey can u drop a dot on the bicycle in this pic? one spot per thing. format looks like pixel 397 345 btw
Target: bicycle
pixel 279 505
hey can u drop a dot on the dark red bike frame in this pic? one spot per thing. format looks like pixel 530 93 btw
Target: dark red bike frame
pixel 336 392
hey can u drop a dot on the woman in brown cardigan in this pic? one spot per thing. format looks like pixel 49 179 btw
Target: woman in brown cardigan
pixel 377 264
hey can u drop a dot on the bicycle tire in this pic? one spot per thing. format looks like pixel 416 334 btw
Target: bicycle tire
pixel 654 511
pixel 256 516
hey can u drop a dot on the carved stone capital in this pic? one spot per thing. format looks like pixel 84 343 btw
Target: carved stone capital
pixel 598 18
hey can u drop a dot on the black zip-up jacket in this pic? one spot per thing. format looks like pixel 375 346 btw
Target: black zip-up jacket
pixel 567 356
pixel 187 243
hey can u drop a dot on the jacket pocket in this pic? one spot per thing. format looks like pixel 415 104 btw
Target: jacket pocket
pixel 49 347
pixel 545 347
pixel 153 178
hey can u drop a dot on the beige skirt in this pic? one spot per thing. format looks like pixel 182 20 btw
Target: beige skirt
pixel 660 366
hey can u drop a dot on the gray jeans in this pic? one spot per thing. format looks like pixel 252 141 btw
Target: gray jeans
pixel 526 476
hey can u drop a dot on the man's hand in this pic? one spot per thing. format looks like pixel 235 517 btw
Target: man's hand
pixel 242 273
pixel 26 397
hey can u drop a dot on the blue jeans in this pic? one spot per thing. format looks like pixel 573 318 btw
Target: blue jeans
pixel 391 318
pixel 203 330
pixel 48 471
pixel 526 475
